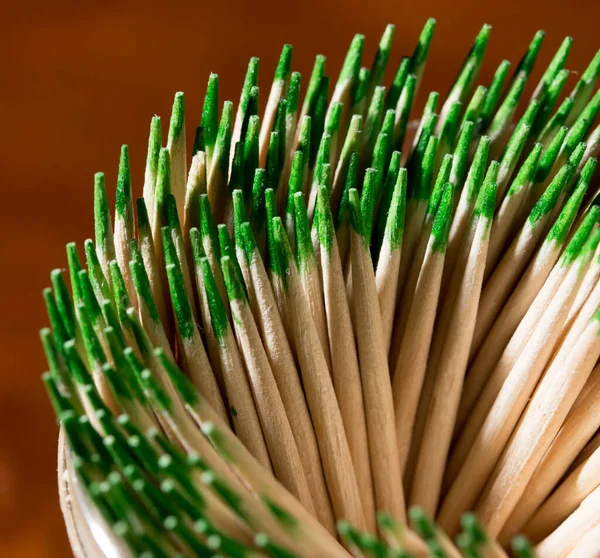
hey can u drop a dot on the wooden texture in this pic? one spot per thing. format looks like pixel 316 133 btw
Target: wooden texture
pixel 79 79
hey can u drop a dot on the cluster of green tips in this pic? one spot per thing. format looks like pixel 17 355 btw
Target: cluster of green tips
pixel 140 347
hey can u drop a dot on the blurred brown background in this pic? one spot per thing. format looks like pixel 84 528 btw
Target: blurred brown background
pixel 77 80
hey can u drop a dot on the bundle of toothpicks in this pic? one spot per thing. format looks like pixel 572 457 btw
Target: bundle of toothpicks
pixel 345 328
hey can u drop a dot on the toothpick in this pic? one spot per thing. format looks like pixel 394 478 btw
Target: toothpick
pixel 278 350
pixel 274 421
pixel 564 539
pixel 538 426
pixel 242 407
pixel 176 146
pixel 503 278
pixel 414 347
pixel 344 359
pixel 444 401
pixel 497 341
pixel 377 389
pixel 567 497
pixel 388 264
pixel 486 437
pixel 278 89
pixel 320 395
pixel 579 427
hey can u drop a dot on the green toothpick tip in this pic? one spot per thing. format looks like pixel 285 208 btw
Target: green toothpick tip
pixel 355 211
pixel 526 64
pixel 360 93
pixel 550 196
pixel 351 65
pixel 558 61
pixel 274 259
pixel 419 56
pixel 124 204
pixel 548 103
pixel 197 247
pixel 282 244
pixel 152 385
pixel 210 113
pixel 118 386
pixel 63 301
pixel 250 81
pixel 181 303
pixel 92 345
pixel 236 178
pixel 477 170
pixel 386 195
pixel 170 252
pixel 177 123
pixel 527 171
pixel 304 249
pixel 59 403
pixel 418 155
pixel 403 109
pixel 474 110
pixel 558 120
pixel 505 112
pixel 227 247
pixel 141 337
pixel 239 214
pixel 154 144
pixel 143 289
pixel 172 214
pixel 296 180
pixel 460 157
pixel 207 224
pixel 218 314
pixel 440 227
pixel 317 73
pixel 367 203
pixel 332 124
pixel 382 56
pixel 248 242
pixel 421 523
pixel 251 148
pixel 74 268
pixel 293 95
pixel 318 115
pixel 257 211
pixel 323 158
pixel 235 291
pixel 391 99
pixel 220 157
pixel 324 220
pixel 560 230
pixel 550 155
pixel 522 547
pixel 89 298
pixel 78 370
pixel 58 330
pixel 442 178
pixel 493 94
pixel 350 182
pixel 285 63
pixel 394 230
pixel 103 226
pixel 54 360
pixel 99 281
pixel 163 185
pixel 486 200
pixel 425 180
